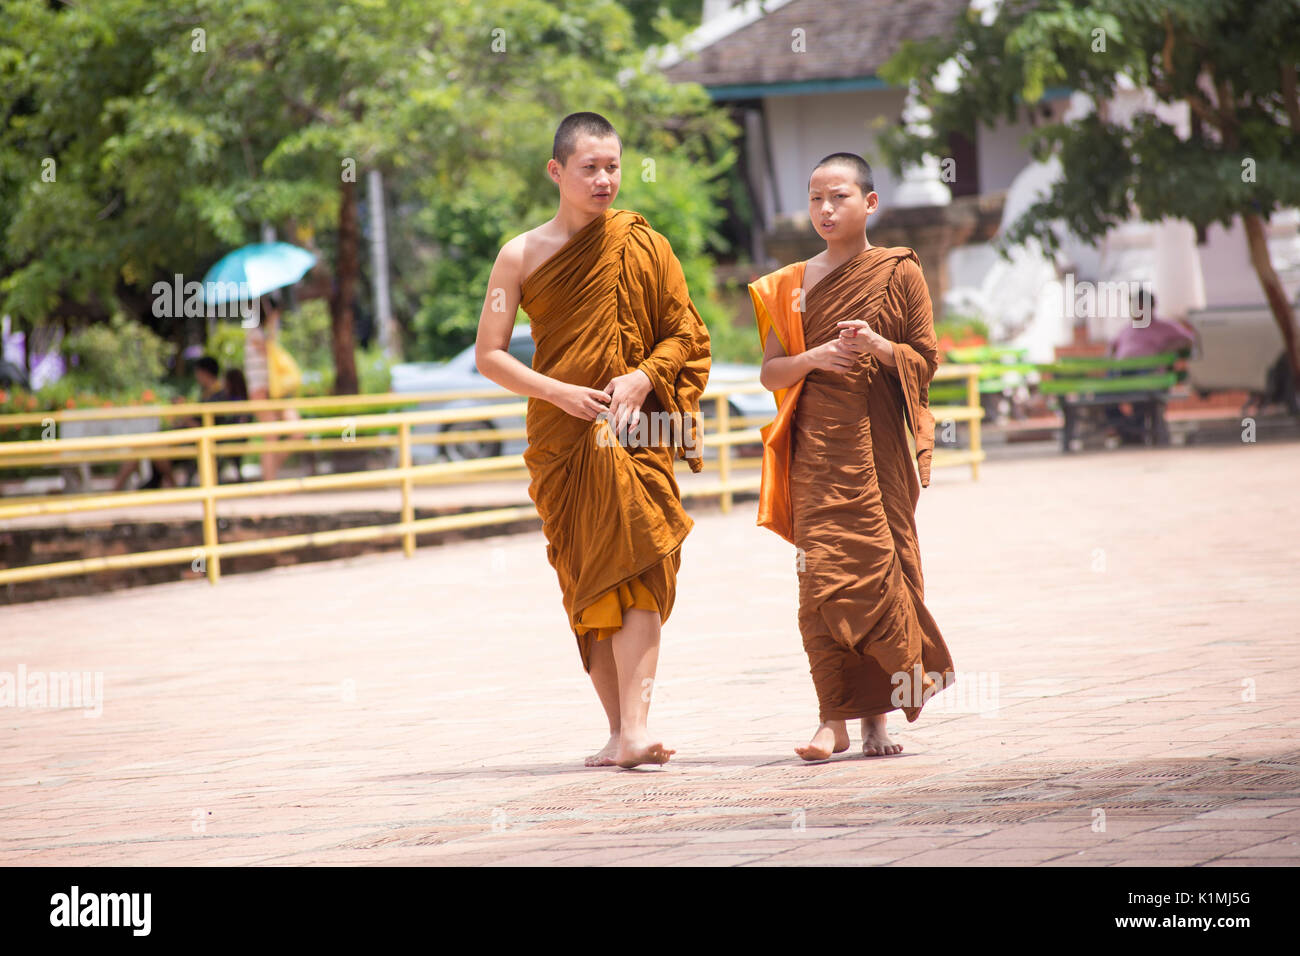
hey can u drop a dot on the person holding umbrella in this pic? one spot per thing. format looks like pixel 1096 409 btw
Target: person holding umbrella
pixel 270 372
pixel 256 272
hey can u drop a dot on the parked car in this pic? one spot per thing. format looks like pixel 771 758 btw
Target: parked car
pixel 459 373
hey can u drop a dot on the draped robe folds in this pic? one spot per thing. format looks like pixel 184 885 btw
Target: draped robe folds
pixel 613 299
pixel 838 482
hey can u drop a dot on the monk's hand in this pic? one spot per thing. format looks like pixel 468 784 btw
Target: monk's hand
pixel 580 401
pixel 858 336
pixel 833 356
pixel 626 393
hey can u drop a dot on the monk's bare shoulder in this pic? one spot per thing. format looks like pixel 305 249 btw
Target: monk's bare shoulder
pixel 814 269
pixel 509 267
pixel 534 247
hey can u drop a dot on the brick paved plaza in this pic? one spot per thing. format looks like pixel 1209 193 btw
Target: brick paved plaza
pixel 1125 624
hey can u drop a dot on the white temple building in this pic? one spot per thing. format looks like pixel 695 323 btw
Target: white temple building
pixel 802 85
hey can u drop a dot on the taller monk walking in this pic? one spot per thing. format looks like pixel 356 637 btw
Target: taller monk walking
pixel 619 344
pixel 849 350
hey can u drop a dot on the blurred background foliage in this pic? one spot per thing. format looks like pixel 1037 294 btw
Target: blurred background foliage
pixel 143 139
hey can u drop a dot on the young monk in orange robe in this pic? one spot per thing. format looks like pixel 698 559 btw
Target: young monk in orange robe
pixel 849 350
pixel 619 342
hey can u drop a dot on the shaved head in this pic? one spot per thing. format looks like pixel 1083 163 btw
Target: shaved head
pixel 857 166
pixel 575 125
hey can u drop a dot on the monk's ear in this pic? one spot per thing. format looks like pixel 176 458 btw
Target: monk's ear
pixel 553 170
pixel 873 201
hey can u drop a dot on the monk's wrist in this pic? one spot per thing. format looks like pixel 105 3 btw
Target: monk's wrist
pixel 649 382
pixel 551 390
pixel 884 350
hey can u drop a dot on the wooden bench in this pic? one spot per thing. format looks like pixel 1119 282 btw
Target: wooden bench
pixel 1084 386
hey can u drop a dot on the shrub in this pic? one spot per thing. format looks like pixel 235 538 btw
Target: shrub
pixel 116 360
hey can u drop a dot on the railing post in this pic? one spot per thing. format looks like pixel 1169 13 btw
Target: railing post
pixel 973 398
pixel 207 421
pixel 724 451
pixel 408 506
pixel 207 479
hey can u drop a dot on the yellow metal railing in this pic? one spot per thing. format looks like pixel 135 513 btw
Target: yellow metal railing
pixel 209 442
pixel 972 413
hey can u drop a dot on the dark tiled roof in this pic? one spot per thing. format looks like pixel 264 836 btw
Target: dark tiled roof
pixel 844 39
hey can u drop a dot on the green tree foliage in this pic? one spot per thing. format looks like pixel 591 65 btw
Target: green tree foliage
pixel 175 130
pixel 1235 62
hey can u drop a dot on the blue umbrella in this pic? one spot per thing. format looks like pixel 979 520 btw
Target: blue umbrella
pixel 255 270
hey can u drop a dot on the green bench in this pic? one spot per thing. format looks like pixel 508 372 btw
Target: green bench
pixel 1085 386
pixel 1002 369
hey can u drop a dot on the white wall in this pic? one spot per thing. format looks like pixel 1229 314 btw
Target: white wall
pixel 803 129
pixel 1230 277
pixel 1001 153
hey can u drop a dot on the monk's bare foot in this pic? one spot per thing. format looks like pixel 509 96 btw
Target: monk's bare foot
pixel 831 737
pixel 875 742
pixel 636 750
pixel 604 757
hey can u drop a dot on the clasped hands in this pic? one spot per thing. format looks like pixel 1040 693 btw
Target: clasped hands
pixel 622 398
pixel 841 354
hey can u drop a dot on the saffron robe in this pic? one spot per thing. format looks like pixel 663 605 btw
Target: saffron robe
pixel 612 300
pixel 838 482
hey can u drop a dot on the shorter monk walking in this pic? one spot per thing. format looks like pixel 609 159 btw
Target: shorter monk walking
pixel 849 350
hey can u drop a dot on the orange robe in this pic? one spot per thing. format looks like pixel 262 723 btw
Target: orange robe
pixel 839 483
pixel 613 300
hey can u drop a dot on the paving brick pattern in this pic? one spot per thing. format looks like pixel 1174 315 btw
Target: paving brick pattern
pixel 1124 623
